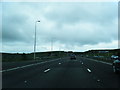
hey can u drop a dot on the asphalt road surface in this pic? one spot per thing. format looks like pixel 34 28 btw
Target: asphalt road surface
pixel 60 73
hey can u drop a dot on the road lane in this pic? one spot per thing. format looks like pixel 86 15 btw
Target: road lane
pixel 70 74
pixel 11 78
pixel 73 74
pixel 18 65
pixel 103 71
pixel 9 65
pixel 64 73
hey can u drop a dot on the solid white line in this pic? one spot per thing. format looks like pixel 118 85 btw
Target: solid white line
pixel 47 70
pixel 99 61
pixel 11 69
pixel 103 62
pixel 89 70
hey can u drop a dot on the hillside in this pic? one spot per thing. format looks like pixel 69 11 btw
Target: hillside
pixel 9 57
pixel 104 55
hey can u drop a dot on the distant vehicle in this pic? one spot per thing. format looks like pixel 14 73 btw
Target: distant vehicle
pixel 114 57
pixel 72 56
pixel 116 65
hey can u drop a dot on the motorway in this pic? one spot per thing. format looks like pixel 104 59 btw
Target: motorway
pixel 60 73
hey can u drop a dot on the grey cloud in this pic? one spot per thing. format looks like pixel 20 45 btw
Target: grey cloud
pixel 81 35
pixel 13 27
pixel 71 24
pixel 76 12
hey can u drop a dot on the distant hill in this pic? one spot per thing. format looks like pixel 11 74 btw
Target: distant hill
pixel 106 53
pixel 9 57
pixel 103 51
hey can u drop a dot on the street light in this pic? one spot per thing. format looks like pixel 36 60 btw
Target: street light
pixel 35 39
pixel 51 46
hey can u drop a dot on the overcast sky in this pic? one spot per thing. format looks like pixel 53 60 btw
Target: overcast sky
pixel 70 26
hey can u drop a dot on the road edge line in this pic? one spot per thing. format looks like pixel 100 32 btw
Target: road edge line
pixel 28 65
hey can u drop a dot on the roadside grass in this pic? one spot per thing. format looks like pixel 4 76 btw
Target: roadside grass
pixel 42 56
pixel 101 56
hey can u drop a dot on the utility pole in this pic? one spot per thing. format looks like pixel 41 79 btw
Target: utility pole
pixel 35 40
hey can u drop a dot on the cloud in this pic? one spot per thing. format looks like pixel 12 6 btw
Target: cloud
pixel 75 12
pixel 69 24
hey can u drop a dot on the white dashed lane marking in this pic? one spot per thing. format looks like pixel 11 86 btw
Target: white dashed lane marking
pixel 89 70
pixel 46 70
pixel 98 80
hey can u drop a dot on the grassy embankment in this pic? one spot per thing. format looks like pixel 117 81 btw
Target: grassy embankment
pixel 102 55
pixel 42 56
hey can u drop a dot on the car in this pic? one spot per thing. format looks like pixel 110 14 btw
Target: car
pixel 73 56
pixel 116 65
pixel 114 57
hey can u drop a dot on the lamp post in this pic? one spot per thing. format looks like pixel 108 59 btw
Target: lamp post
pixel 51 45
pixel 35 39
